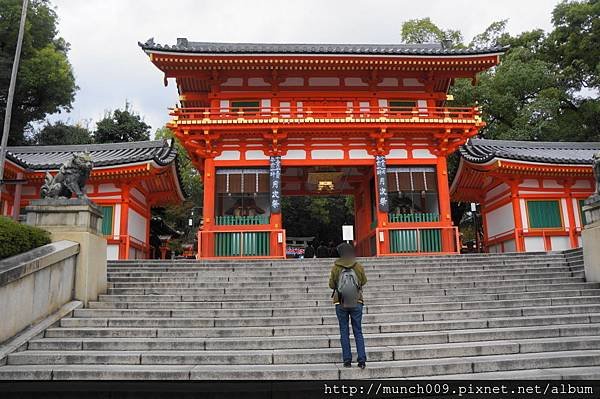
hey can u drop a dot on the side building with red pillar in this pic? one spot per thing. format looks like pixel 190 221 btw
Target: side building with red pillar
pixel 127 181
pixel 264 121
pixel 530 193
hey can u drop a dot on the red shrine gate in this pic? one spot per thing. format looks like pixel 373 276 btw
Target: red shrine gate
pixel 261 121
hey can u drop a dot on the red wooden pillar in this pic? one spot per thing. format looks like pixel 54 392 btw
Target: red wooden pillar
pixel 124 223
pixel 571 215
pixel 208 207
pixel 17 198
pixel 448 235
pixel 518 218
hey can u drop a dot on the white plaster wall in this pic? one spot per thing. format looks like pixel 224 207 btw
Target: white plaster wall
pixel 323 81
pixel 388 82
pixel 295 154
pixel 565 213
pixel 228 156
pixel 560 243
pixel 500 220
pixel 327 154
pixel 551 183
pixel 138 196
pixel 354 81
pixel 117 220
pixel 582 184
pixel 107 188
pixel 292 81
pixel 112 252
pixel 524 220
pixel 137 225
pixel 359 154
pixel 422 153
pixel 577 212
pixel 256 155
pixel 257 82
pixel 534 244
pixel 411 82
pixel 494 249
pixel 496 190
pixel 510 246
pixel 397 153
pixel 530 183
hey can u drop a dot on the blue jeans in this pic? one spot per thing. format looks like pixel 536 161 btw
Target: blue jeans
pixel 355 315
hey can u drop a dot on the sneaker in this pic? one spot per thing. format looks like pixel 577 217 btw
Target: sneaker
pixel 347 364
pixel 362 365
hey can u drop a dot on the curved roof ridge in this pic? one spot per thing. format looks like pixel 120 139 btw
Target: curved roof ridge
pixel 558 152
pixel 162 151
pixel 89 147
pixel 184 45
pixel 537 144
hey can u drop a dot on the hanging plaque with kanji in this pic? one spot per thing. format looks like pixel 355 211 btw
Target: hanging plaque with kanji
pixel 381 173
pixel 275 182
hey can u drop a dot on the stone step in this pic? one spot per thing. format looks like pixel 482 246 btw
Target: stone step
pixel 234 277
pixel 195 319
pixel 302 356
pixel 376 280
pixel 388 369
pixel 316 341
pixel 369 292
pixel 315 271
pixel 319 279
pixel 315 310
pixel 410 291
pixel 238 301
pixel 316 329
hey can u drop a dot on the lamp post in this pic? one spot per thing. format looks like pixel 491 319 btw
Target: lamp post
pixel 11 93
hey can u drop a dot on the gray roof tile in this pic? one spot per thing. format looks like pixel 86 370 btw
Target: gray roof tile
pixel 569 153
pixel 115 154
pixel 433 49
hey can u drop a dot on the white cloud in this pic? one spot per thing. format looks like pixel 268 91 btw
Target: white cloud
pixel 111 69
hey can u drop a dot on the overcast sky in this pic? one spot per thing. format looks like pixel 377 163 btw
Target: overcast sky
pixel 110 68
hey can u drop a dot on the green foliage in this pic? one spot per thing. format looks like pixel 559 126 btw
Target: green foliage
pixel 121 126
pixel 546 87
pixel 17 238
pixel 575 42
pixel 423 30
pixel 60 133
pixel 177 216
pixel 45 81
pixel 317 216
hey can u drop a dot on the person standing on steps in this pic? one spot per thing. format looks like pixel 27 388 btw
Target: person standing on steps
pixel 346 279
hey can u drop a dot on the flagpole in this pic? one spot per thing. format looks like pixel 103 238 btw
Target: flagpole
pixel 11 94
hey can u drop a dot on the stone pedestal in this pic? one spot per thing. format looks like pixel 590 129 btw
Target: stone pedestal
pixel 590 237
pixel 78 220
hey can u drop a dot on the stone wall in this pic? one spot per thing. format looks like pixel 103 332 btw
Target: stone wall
pixel 36 284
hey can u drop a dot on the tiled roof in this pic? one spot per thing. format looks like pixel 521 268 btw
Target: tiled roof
pixel 115 154
pixel 482 151
pixel 185 46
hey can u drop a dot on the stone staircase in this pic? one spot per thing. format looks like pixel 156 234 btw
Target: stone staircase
pixel 471 316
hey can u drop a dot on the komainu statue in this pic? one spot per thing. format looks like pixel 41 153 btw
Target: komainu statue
pixel 70 179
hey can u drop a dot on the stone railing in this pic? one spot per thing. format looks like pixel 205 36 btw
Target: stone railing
pixel 36 284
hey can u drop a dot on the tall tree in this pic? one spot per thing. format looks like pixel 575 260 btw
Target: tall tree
pixel 177 215
pixel 45 83
pixel 420 31
pixel 121 125
pixel 61 133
